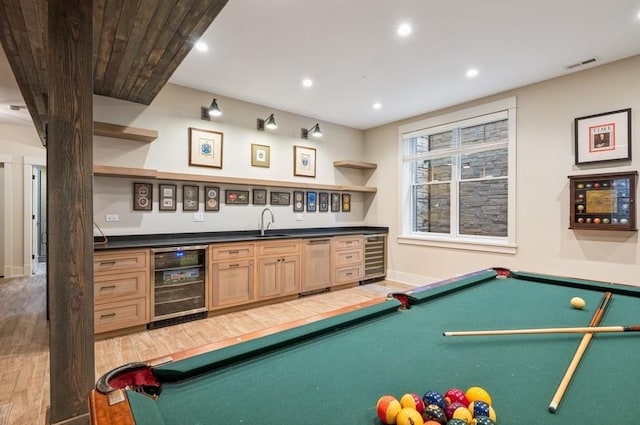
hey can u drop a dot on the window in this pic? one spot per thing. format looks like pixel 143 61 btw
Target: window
pixel 459 179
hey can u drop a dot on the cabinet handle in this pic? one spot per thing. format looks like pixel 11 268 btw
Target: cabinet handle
pixel 103 288
pixel 104 316
pixel 349 256
pixel 349 274
pixel 318 241
pixel 234 252
pixel 234 265
pixel 107 263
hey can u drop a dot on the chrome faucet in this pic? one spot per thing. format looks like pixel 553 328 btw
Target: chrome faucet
pixel 273 220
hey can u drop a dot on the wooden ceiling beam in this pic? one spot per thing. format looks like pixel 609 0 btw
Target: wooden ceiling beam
pixel 138 44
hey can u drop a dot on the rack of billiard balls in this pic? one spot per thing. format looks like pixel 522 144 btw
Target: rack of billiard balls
pixel 454 407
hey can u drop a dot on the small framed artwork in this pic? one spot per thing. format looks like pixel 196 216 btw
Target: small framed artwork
pixel 211 198
pixel 142 196
pixel 280 198
pixel 205 148
pixel 260 156
pixel 346 202
pixel 304 161
pixel 603 137
pixel 298 201
pixel 323 202
pixel 190 198
pixel 335 202
pixel 236 197
pixel 168 197
pixel 312 201
pixel 259 196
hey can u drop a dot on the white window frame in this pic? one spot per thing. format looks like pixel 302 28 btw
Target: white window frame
pixel 506 245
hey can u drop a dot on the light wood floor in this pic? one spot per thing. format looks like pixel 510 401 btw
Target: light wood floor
pixel 24 343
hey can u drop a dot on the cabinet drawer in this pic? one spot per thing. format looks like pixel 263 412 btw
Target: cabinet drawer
pixel 347 257
pixel 129 284
pixel 345 242
pixel 348 274
pixel 290 246
pixel 119 260
pixel 120 314
pixel 230 252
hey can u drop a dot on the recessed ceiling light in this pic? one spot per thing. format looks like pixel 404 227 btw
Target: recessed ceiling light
pixel 201 46
pixel 472 73
pixel 404 30
pixel 307 82
pixel 377 105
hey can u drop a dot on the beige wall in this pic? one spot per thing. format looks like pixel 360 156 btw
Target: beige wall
pixel 20 149
pixel 176 109
pixel 545 157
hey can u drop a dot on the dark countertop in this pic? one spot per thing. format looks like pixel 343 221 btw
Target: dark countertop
pixel 188 239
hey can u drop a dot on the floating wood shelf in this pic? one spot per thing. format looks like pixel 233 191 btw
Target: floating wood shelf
pixel 110 171
pixel 106 129
pixel 358 165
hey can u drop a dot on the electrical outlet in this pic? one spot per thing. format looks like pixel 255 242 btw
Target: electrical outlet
pixel 298 217
pixel 112 217
pixel 198 216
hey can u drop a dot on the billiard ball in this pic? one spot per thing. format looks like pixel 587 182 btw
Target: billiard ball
pixel 581 220
pixel 578 303
pixel 409 416
pixel 434 413
pixel 580 207
pixel 434 397
pixel 412 400
pixel 455 394
pixel 596 185
pixel 580 186
pixel 623 221
pixel 480 408
pixel 478 393
pixel 458 411
pixel 388 408
pixel 596 220
pixel 605 221
pixel 588 185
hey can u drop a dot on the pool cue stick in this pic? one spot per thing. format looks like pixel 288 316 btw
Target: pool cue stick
pixel 582 347
pixel 539 331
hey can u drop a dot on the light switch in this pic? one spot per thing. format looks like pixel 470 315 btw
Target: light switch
pixel 112 217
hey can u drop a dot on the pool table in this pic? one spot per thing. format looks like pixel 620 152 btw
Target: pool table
pixel 333 370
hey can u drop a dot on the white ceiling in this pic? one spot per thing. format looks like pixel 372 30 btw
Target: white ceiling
pixel 259 51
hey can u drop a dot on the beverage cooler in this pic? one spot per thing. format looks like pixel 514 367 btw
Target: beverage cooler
pixel 178 285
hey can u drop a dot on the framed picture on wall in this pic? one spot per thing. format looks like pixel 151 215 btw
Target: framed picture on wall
pixel 323 201
pixel 260 155
pixel 211 198
pixel 190 198
pixel 259 196
pixel 312 200
pixel 142 196
pixel 304 161
pixel 346 202
pixel 335 202
pixel 205 148
pixel 280 198
pixel 168 197
pixel 236 197
pixel 603 137
pixel 298 201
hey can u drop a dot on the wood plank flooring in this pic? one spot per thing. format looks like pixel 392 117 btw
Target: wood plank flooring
pixel 24 339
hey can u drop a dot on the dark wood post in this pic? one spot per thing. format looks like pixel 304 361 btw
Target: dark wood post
pixel 70 208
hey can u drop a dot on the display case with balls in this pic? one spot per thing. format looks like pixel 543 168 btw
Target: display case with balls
pixel 603 201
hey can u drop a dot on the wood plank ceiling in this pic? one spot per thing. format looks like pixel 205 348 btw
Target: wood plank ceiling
pixel 137 45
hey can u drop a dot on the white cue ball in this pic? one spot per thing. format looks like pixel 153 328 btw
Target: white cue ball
pixel 577 302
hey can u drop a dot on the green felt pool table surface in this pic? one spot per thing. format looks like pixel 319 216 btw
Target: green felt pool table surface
pixel 336 377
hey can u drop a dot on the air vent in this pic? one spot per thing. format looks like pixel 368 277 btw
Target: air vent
pixel 583 63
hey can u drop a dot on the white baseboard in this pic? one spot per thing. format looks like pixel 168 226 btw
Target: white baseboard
pixel 409 278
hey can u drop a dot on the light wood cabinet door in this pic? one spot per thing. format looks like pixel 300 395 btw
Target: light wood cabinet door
pixel 232 283
pixel 316 264
pixel 278 276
